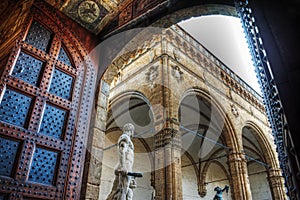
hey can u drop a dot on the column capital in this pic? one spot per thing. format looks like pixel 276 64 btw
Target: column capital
pixel 237 164
pixel 167 177
pixel 275 177
pixel 276 182
pixel 274 172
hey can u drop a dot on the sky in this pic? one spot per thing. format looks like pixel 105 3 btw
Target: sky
pixel 224 37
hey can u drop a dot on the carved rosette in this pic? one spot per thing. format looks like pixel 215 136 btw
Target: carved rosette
pixel 88 11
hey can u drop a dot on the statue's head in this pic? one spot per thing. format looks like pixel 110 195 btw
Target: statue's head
pixel 128 129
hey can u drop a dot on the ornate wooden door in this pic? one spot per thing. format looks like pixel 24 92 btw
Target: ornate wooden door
pixel 43 107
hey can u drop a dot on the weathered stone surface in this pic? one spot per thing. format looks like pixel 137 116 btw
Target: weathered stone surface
pixel 182 67
pixel 92 192
pixel 98 138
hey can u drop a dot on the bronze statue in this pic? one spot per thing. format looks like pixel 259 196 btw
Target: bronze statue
pixel 219 191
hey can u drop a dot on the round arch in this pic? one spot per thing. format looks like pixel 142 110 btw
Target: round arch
pixel 206 169
pixel 264 143
pixel 228 131
pixel 268 155
pixel 196 11
pixel 132 106
pixel 172 12
pixel 176 12
pixel 213 159
pixel 229 143
pixel 137 104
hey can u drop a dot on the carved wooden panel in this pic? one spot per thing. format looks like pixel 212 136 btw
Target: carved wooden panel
pixel 135 9
pixel 126 14
pixel 40 90
pixel 141 6
pixel 12 16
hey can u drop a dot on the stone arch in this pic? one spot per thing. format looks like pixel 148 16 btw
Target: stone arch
pixel 173 12
pixel 202 184
pixel 144 160
pixel 184 10
pixel 127 95
pixel 264 143
pixel 229 132
pixel 237 164
pixel 275 178
pixel 195 11
pixel 190 170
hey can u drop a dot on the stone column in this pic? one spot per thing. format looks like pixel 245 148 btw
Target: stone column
pixel 276 183
pixel 240 187
pixel 94 155
pixel 168 176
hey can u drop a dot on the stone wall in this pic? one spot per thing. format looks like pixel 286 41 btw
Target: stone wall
pixel 259 184
pixel 172 65
pixel 215 176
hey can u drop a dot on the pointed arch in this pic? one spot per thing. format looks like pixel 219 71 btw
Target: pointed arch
pixel 264 143
pixel 268 153
pixel 229 133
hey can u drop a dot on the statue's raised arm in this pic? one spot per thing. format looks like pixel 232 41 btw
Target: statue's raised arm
pixel 219 191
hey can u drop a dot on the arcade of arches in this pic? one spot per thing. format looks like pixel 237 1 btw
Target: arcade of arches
pixel 197 124
pixel 178 104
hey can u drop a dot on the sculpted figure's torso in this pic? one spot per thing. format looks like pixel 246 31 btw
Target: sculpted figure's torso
pixel 123 184
pixel 126 156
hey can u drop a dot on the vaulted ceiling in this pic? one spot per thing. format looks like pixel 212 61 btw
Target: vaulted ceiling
pixel 96 15
pixel 93 15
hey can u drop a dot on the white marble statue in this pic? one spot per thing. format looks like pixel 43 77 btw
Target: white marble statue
pixel 124 182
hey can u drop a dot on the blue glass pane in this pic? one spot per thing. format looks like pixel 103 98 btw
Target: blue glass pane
pixel 8 152
pixel 63 56
pixel 38 36
pixel 14 108
pixel 27 68
pixel 43 166
pixel 3 197
pixel 53 121
pixel 61 84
